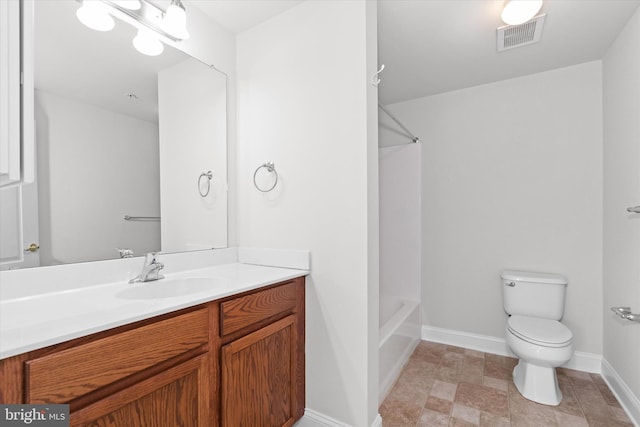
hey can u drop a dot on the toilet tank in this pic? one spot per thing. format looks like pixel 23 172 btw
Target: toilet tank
pixel 533 294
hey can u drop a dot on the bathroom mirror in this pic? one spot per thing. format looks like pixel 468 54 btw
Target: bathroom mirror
pixel 131 149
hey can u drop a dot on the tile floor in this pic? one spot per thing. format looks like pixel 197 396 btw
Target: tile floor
pixel 450 386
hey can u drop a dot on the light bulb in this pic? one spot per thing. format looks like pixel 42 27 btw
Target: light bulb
pixel 518 12
pixel 175 21
pixel 128 4
pixel 94 14
pixel 147 43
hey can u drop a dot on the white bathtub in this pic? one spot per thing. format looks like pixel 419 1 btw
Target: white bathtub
pixel 399 335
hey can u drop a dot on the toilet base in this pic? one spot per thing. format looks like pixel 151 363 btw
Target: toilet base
pixel 537 383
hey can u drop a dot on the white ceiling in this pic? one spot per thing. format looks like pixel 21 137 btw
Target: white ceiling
pixel 239 15
pixel 435 46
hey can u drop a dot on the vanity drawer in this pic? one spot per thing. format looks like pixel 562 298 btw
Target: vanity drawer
pixel 241 312
pixel 63 376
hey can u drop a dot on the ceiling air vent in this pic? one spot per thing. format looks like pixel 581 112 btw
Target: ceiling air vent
pixel 511 36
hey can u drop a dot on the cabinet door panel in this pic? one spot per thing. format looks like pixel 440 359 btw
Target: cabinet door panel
pixel 176 397
pixel 258 377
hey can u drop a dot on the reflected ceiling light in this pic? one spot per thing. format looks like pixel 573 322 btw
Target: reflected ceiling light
pixel 175 20
pixel 516 12
pixel 128 4
pixel 147 42
pixel 94 14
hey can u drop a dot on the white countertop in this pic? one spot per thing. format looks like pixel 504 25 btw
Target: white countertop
pixel 36 321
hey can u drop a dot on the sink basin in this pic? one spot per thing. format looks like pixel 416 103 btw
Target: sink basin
pixel 168 288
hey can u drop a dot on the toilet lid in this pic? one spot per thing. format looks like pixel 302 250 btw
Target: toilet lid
pixel 544 332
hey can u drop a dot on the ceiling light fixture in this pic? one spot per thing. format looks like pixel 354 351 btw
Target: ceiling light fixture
pixel 147 42
pixel 128 4
pixel 516 12
pixel 175 20
pixel 94 14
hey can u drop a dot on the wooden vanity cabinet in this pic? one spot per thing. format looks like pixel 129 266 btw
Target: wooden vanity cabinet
pixel 232 362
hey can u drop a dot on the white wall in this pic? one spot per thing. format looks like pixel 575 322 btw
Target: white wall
pixel 192 114
pixel 400 244
pixel 89 155
pixel 305 103
pixel 512 178
pixel 621 72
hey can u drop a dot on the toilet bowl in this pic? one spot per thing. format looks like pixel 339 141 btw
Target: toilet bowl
pixel 541 345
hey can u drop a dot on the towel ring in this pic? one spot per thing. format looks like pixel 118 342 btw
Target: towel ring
pixel 209 176
pixel 271 167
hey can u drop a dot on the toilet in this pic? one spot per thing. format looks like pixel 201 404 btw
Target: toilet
pixel 535 304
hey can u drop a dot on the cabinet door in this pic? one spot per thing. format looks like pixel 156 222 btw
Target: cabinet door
pixel 258 377
pixel 177 397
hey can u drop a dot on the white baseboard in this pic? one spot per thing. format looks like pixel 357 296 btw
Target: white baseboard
pixel 581 361
pixel 482 343
pixel 585 362
pixel 312 418
pixel 623 393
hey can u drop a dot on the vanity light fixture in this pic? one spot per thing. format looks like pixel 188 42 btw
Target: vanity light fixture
pixel 153 23
pixel 95 15
pixel 174 21
pixel 516 12
pixel 147 42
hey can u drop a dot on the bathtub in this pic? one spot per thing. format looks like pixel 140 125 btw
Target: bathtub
pixel 399 335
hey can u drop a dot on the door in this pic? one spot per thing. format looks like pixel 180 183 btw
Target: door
pixel 18 189
pixel 258 377
pixel 10 155
pixel 177 397
pixel 19 244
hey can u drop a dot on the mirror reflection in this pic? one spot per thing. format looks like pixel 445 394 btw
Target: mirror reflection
pixel 120 135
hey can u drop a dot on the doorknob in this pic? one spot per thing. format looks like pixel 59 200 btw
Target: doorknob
pixel 32 248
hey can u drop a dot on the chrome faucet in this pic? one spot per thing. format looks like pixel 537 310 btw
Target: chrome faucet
pixel 150 269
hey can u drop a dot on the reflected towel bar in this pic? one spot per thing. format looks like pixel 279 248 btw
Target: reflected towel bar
pixel 141 218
